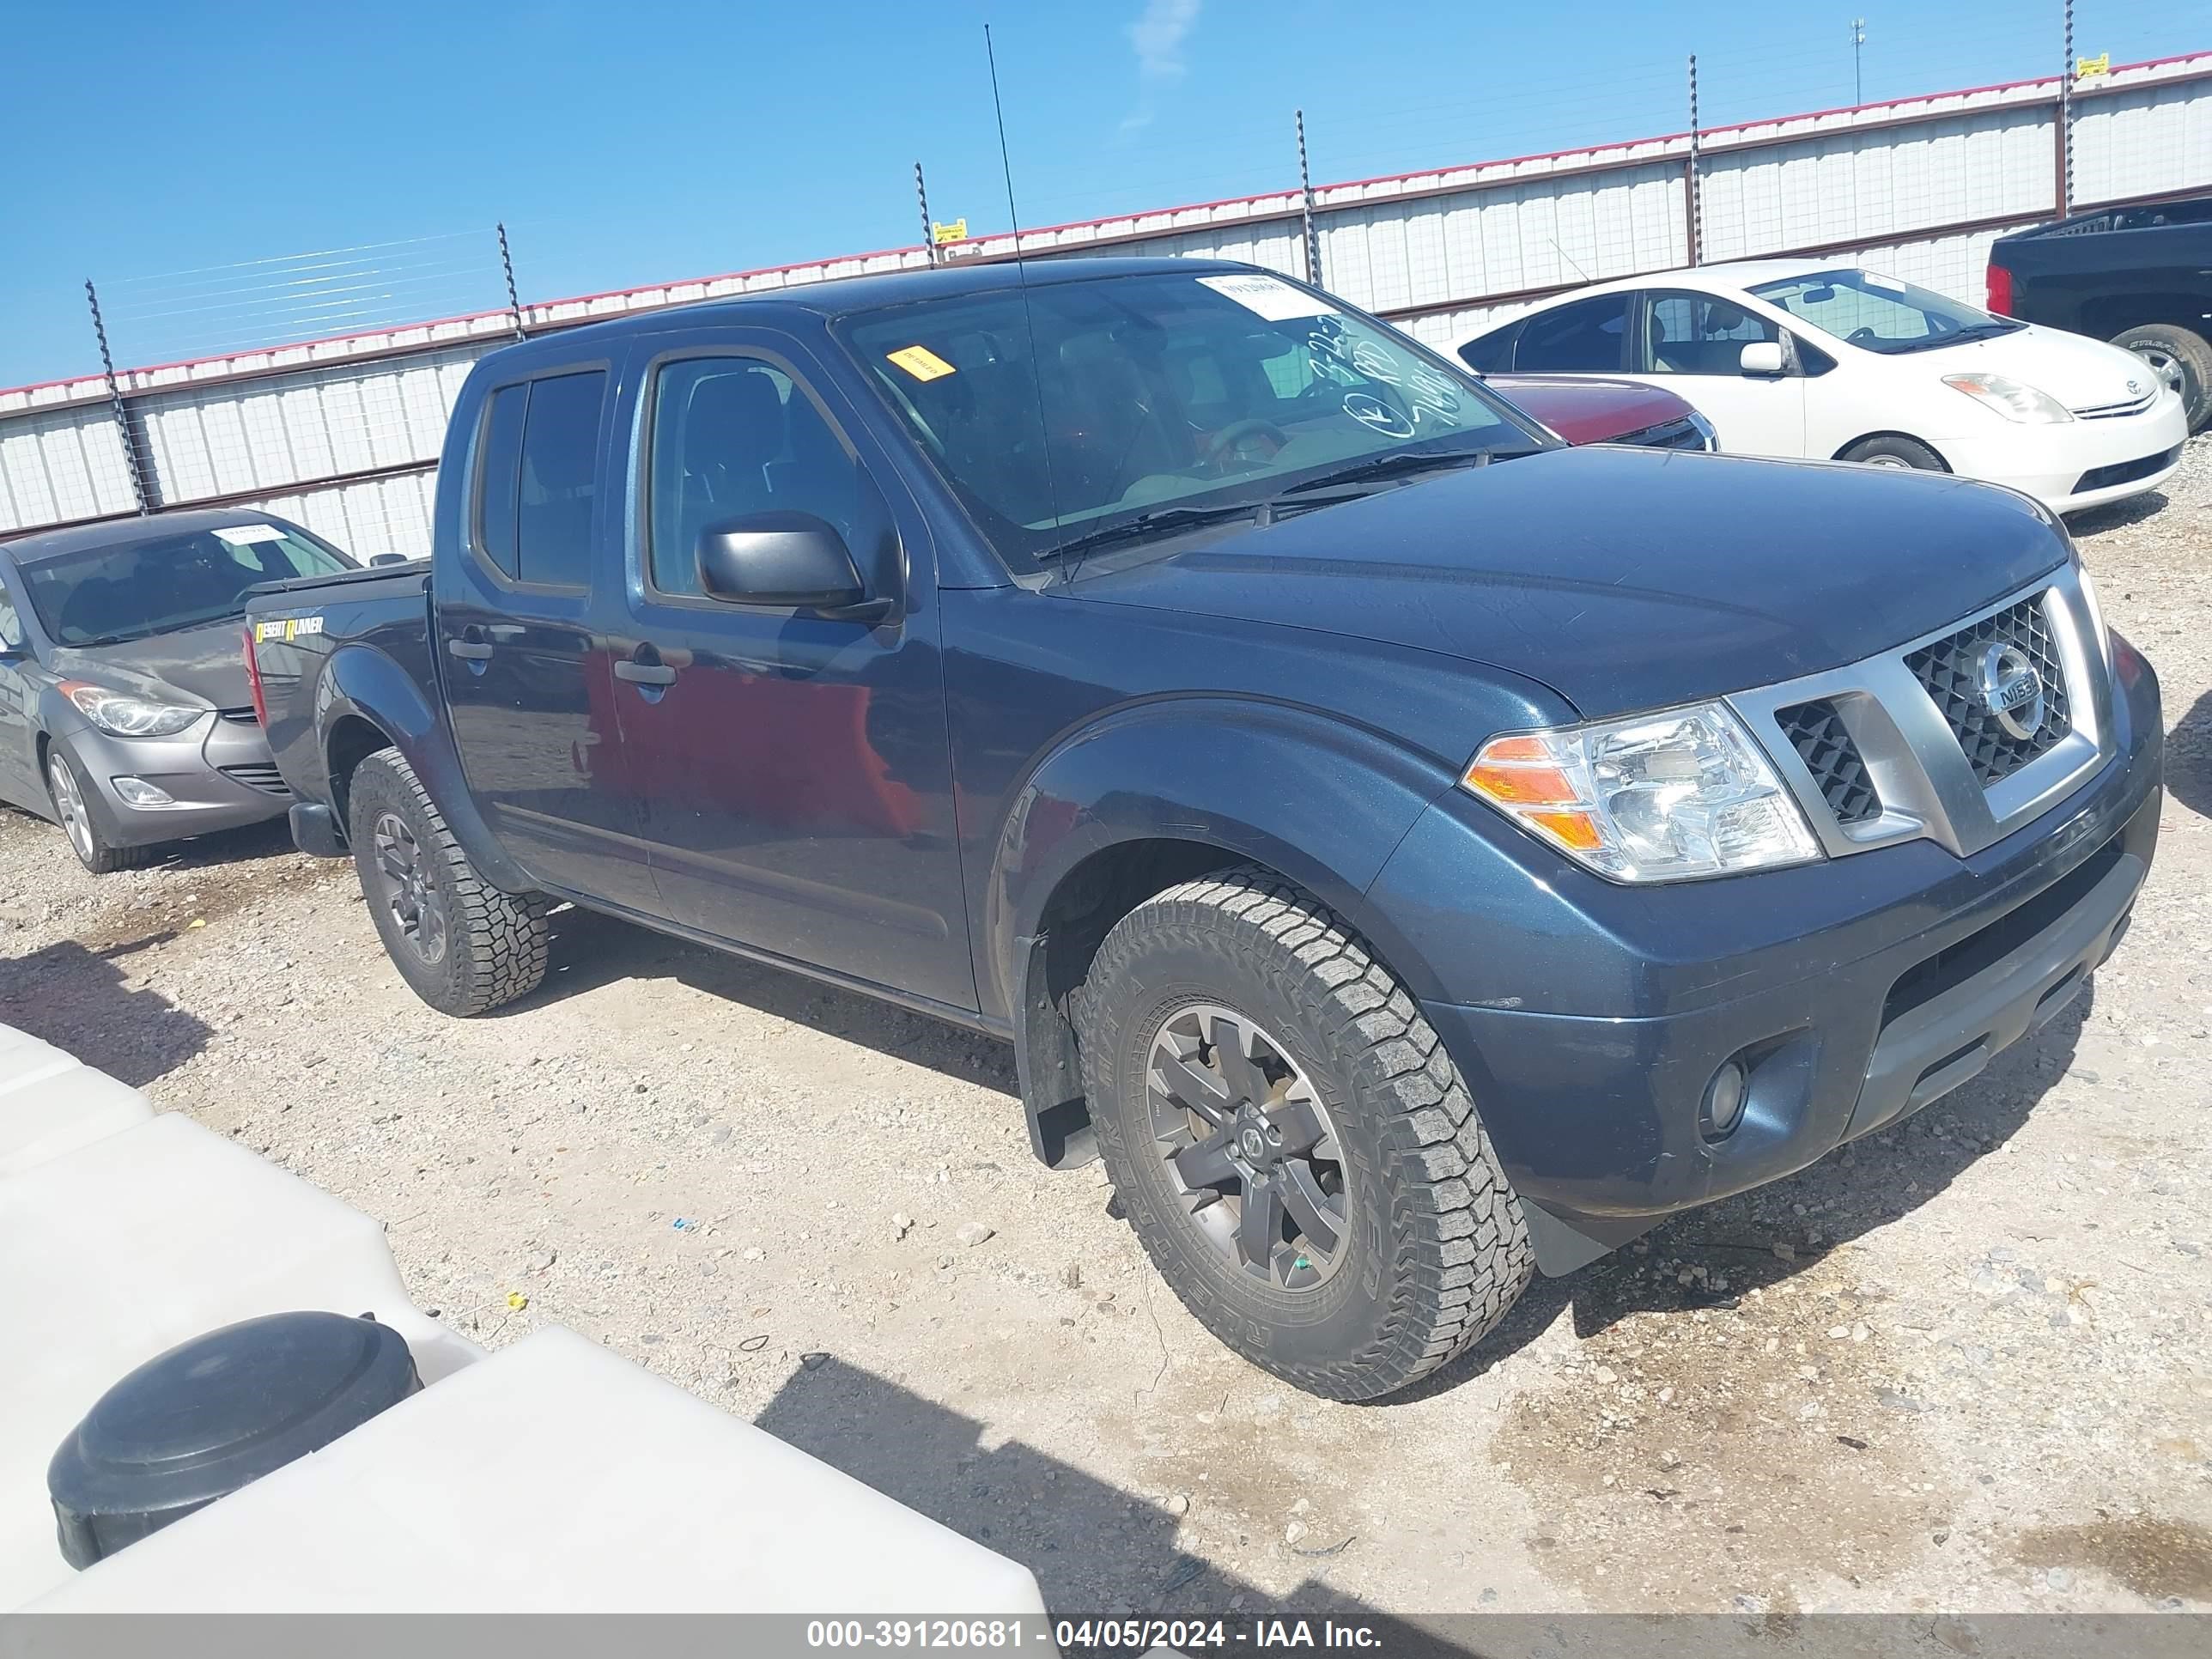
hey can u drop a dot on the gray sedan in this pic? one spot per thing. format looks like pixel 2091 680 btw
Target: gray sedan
pixel 125 713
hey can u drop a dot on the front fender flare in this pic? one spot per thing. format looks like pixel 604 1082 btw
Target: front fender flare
pixel 1317 799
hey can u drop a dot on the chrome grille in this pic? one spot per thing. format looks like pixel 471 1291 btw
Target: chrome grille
pixel 1817 734
pixel 1951 672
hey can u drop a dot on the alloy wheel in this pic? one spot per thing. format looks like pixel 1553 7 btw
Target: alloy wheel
pixel 69 806
pixel 409 893
pixel 1249 1145
pixel 2167 366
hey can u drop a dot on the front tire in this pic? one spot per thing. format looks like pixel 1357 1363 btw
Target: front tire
pixel 2180 357
pixel 76 809
pixel 463 946
pixel 1298 1152
pixel 1894 452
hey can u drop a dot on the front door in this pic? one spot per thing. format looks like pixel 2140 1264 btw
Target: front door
pixel 19 779
pixel 796 769
pixel 1692 344
pixel 526 668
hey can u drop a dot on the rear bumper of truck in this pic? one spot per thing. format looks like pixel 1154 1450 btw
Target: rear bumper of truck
pixel 1599 1117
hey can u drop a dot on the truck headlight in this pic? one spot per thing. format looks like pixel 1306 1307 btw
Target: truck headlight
pixel 2010 399
pixel 1663 797
pixel 124 716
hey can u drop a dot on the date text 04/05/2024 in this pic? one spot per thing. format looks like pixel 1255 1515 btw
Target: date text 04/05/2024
pixel 1131 1635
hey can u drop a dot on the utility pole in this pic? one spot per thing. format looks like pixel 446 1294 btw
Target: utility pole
pixel 1859 46
pixel 139 493
pixel 506 269
pixel 928 231
pixel 2066 119
pixel 1697 226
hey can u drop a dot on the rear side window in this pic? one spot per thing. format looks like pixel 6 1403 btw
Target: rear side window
pixel 1588 334
pixel 499 459
pixel 1491 353
pixel 538 473
pixel 11 625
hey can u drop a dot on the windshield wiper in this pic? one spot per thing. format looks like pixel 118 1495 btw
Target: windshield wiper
pixel 1403 464
pixel 1158 521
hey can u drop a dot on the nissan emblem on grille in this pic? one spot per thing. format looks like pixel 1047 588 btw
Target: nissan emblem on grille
pixel 2011 691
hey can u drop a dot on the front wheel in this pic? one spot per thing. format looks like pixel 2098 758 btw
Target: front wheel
pixel 78 810
pixel 463 946
pixel 1298 1153
pixel 1901 452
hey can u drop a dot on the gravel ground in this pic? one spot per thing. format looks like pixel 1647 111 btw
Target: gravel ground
pixel 1966 1364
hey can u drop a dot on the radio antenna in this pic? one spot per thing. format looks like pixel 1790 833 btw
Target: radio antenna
pixel 1022 282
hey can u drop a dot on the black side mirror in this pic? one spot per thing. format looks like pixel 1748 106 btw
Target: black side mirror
pixel 784 559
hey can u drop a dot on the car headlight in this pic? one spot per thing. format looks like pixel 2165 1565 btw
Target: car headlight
pixel 124 716
pixel 2010 399
pixel 1663 797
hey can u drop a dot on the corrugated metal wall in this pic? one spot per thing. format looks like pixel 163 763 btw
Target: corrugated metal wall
pixel 344 434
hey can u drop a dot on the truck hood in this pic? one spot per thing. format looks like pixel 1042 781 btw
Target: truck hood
pixel 1623 579
pixel 204 665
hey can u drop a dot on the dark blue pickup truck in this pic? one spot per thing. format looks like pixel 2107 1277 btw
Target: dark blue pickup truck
pixel 1411 852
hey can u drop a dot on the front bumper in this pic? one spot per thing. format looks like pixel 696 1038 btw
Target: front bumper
pixel 2060 465
pixel 1883 980
pixel 217 774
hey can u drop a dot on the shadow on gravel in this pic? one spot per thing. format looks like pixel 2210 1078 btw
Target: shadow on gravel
pixel 1848 1194
pixel 590 950
pixel 75 999
pixel 257 841
pixel 2189 758
pixel 1096 1550
pixel 2117 516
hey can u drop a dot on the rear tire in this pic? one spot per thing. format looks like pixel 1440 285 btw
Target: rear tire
pixel 462 945
pixel 76 810
pixel 1429 1245
pixel 1896 453
pixel 2180 356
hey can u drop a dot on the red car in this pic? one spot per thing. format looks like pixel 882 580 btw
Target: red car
pixel 1584 410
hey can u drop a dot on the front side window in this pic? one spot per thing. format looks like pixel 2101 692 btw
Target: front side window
pixel 1107 400
pixel 1879 314
pixel 1587 334
pixel 11 625
pixel 1699 333
pixel 733 436
pixel 104 595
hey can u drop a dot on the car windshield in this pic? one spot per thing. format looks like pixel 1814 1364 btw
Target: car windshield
pixel 1879 314
pixel 1161 401
pixel 101 595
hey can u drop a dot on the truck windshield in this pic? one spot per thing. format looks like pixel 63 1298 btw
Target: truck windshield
pixel 1201 391
pixel 103 595
pixel 1863 308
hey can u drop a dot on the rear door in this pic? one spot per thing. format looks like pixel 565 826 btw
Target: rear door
pixel 523 652
pixel 796 769
pixel 1692 344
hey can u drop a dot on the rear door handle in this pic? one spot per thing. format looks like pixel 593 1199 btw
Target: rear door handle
pixel 645 673
pixel 469 650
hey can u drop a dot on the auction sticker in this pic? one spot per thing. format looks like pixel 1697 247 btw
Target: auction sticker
pixel 246 533
pixel 1269 297
pixel 921 363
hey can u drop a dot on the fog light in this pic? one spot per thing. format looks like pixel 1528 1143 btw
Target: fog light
pixel 1725 1100
pixel 136 791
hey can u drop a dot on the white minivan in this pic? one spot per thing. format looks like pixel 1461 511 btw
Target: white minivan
pixel 1807 360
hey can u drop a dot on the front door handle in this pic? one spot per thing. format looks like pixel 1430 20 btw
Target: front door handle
pixel 645 673
pixel 469 650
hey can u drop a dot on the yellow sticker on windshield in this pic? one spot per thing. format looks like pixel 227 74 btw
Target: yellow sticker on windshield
pixel 921 363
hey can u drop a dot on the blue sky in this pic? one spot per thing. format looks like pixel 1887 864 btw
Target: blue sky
pixel 668 138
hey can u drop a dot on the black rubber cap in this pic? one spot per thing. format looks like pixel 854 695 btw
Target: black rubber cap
pixel 214 1414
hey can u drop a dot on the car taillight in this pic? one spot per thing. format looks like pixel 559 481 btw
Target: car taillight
pixel 253 684
pixel 2000 289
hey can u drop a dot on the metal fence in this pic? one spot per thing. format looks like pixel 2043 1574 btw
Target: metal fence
pixel 342 433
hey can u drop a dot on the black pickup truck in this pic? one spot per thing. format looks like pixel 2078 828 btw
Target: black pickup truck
pixel 2138 277
pixel 1413 852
